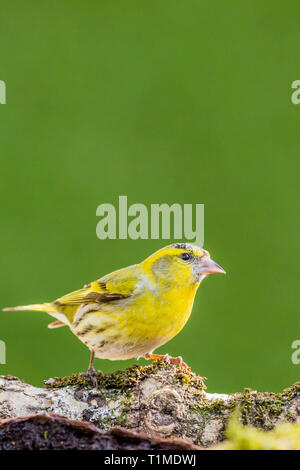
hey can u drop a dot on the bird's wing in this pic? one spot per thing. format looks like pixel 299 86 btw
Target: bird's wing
pixel 115 286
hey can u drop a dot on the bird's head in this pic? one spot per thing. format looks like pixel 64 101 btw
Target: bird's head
pixel 182 263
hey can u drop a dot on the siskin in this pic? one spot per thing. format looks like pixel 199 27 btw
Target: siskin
pixel 131 312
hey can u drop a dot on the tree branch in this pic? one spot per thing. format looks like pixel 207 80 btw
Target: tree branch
pixel 159 400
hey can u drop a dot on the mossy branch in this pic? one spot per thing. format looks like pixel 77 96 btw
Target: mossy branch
pixel 159 399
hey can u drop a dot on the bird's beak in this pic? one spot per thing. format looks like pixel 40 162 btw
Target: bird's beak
pixel 210 267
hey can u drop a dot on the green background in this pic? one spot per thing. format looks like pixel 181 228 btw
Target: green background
pixel 162 101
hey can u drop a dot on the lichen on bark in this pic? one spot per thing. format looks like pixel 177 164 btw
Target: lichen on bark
pixel 159 399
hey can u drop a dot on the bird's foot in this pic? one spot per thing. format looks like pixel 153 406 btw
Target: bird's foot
pixel 92 375
pixel 167 358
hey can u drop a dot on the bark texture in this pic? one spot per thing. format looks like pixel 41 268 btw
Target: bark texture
pixel 53 432
pixel 158 400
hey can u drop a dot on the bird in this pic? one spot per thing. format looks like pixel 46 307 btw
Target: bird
pixel 132 311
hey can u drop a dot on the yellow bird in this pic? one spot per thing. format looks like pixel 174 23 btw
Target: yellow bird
pixel 131 312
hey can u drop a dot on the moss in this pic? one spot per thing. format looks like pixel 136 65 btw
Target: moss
pixel 185 376
pixel 129 377
pixel 106 422
pixel 256 407
pixel 119 379
pixel 117 416
pixel 285 436
pixel 290 392
pixel 75 379
pixel 206 410
pixel 259 409
pixel 210 407
pixel 122 419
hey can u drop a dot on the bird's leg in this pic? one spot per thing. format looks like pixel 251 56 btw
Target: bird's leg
pixel 91 370
pixel 166 357
pixel 91 373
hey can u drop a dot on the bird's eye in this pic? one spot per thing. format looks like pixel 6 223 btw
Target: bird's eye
pixel 185 256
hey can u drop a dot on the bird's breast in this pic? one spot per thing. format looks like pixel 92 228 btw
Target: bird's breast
pixel 135 325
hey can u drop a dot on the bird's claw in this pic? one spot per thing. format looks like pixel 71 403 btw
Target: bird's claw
pixel 167 358
pixel 176 360
pixel 92 375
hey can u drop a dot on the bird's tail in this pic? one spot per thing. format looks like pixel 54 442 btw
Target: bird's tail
pixel 46 307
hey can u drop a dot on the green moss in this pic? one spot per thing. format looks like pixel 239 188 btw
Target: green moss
pixel 119 379
pixel 210 407
pixel 256 407
pixel 290 392
pixel 185 376
pixel 285 436
pixel 122 419
pixel 118 416
pixel 106 422
pixel 129 377
pixel 75 379
pixel 260 409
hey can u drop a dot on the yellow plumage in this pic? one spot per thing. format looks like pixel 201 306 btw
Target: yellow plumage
pixel 132 311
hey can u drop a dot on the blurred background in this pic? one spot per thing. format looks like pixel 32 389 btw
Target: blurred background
pixel 172 101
